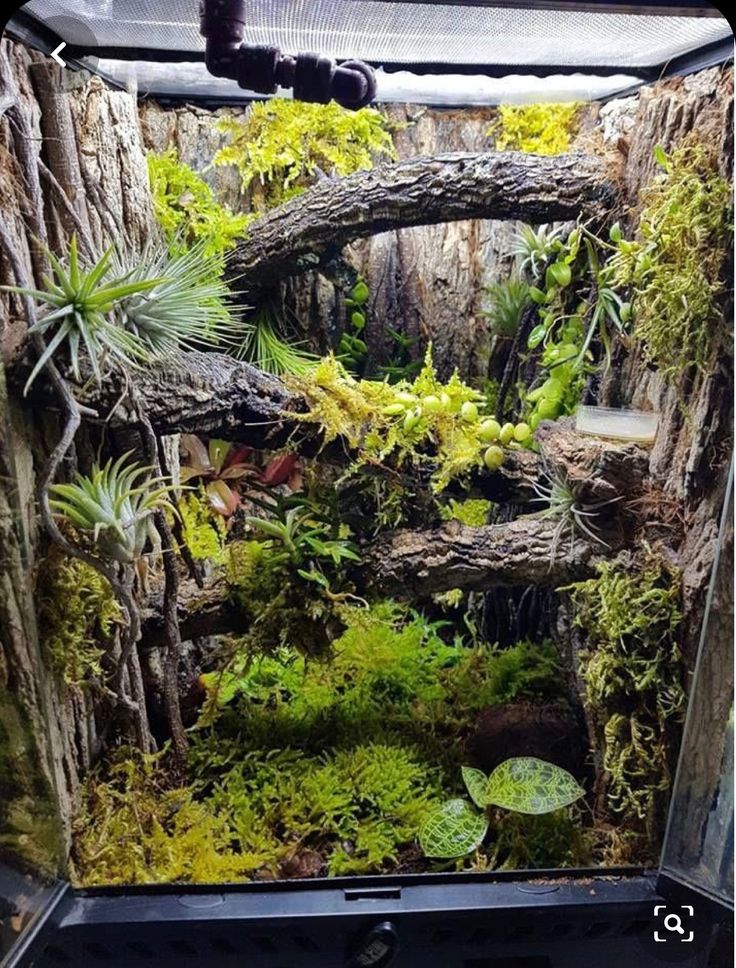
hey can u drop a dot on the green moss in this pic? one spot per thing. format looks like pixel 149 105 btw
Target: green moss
pixel 546 842
pixel 539 129
pixel 472 512
pixel 632 672
pixel 133 828
pixel 30 828
pixel 675 266
pixel 282 145
pixel 426 422
pixel 77 613
pixel 203 530
pixel 186 208
pixel 339 761
pixel 486 677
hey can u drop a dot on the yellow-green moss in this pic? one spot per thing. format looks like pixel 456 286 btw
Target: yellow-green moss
pixel 538 129
pixel 472 512
pixel 281 146
pixel 77 612
pixel 187 209
pixel 420 422
pixel 203 530
pixel 632 670
pixel 674 268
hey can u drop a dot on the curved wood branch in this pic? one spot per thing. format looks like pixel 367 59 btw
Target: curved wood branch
pixel 421 191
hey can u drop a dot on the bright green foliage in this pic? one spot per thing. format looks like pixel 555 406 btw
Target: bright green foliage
pixel 113 507
pixel 79 302
pixel 675 266
pixel 264 346
pixel 132 829
pixel 453 830
pixel 547 841
pixel 421 422
pixel 389 667
pixel 523 784
pixel 203 529
pixel 526 670
pixel 507 302
pixel 632 672
pixel 187 307
pixel 282 145
pixel 578 308
pixel 538 129
pixel 187 210
pixel 472 511
pixel 78 613
pixel 476 783
pixel 345 759
pixel 352 349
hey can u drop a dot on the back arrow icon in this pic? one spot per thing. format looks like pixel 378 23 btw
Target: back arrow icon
pixel 55 53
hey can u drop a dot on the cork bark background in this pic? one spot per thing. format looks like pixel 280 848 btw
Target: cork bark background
pixel 427 281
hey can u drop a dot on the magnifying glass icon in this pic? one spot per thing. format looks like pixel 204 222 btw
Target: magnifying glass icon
pixel 673 922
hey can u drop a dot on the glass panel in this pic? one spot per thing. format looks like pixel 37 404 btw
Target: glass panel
pixel 398 32
pixel 698 847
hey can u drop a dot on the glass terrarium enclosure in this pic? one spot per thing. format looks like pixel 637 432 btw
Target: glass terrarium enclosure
pixel 366 433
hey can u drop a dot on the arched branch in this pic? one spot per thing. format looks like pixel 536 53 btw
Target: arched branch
pixel 421 191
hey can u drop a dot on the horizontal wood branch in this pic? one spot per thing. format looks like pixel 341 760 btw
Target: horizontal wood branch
pixel 421 191
pixel 408 565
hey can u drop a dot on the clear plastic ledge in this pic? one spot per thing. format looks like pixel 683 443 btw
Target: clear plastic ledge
pixel 634 425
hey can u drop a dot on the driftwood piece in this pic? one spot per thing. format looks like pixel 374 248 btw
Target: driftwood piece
pixel 420 191
pixel 597 469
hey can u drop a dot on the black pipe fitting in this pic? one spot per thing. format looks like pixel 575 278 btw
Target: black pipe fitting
pixel 263 69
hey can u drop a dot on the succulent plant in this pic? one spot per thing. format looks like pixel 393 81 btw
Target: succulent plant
pixel 573 515
pixel 116 504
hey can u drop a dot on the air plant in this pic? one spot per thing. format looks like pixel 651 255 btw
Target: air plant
pixel 80 305
pixel 187 305
pixel 116 504
pixel 264 347
pixel 221 465
pixel 573 515
pixel 535 247
pixel 507 302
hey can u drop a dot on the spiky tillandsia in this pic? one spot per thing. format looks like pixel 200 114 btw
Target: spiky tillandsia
pixel 80 302
pixel 534 247
pixel 115 505
pixel 264 347
pixel 186 305
pixel 564 504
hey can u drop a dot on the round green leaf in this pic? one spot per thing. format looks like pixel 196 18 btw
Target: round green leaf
pixel 528 785
pixel 559 274
pixel 454 829
pixel 476 783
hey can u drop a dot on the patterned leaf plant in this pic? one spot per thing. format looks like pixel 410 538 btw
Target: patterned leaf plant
pixel 523 784
pixel 116 504
pixel 78 310
pixel 453 830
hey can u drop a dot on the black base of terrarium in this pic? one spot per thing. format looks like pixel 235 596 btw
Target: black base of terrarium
pixel 438 921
